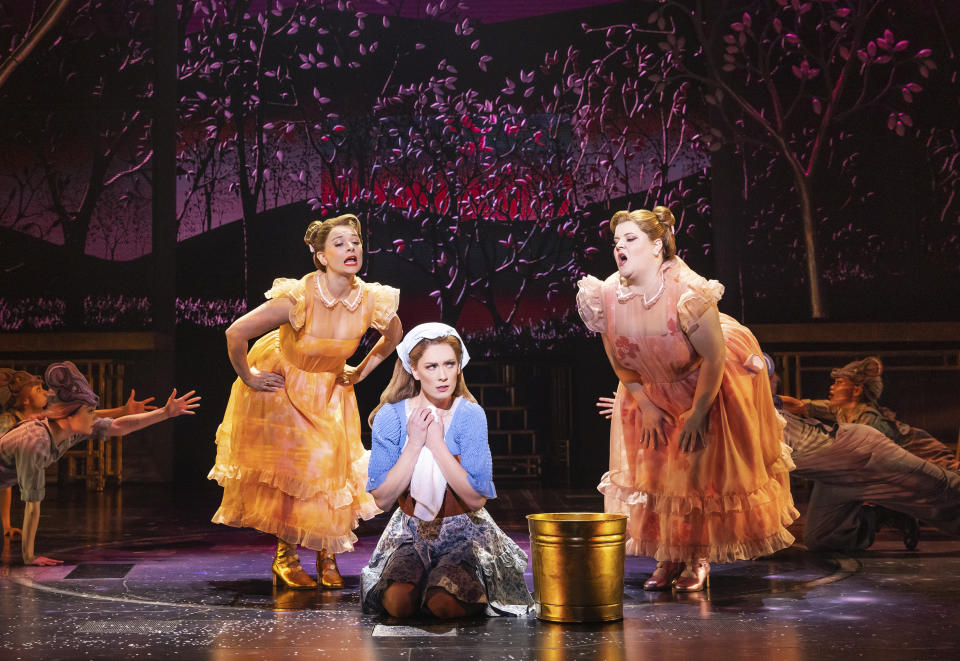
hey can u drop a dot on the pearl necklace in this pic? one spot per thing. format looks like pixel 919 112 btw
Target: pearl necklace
pixel 624 294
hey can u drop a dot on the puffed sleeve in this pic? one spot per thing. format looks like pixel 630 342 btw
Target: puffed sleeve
pixel 295 290
pixel 387 436
pixel 701 295
pixel 385 302
pixel 590 304
pixel 475 449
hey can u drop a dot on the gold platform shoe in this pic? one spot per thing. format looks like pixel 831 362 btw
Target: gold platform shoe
pixel 287 570
pixel 327 570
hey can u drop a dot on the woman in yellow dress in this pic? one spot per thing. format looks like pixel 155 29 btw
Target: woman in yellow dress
pixel 289 456
pixel 696 447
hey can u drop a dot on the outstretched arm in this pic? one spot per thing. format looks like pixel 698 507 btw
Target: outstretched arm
pixel 133 405
pixel 382 349
pixel 793 405
pixel 255 323
pixel 174 407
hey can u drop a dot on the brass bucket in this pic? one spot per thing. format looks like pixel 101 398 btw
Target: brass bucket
pixel 578 565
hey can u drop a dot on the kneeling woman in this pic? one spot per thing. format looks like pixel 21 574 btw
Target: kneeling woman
pixel 441 552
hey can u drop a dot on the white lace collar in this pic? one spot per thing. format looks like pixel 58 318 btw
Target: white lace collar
pixel 329 301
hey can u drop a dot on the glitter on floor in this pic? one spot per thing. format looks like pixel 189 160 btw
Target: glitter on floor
pixel 147 576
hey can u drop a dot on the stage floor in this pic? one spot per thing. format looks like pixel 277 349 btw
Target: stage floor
pixel 147 576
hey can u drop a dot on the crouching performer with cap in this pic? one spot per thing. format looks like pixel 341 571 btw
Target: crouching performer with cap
pixel 441 553
pixel 901 471
pixel 31 446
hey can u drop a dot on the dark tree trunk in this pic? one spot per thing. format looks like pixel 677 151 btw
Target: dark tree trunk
pixel 727 197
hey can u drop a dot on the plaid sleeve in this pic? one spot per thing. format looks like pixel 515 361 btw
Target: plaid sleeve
pixel 101 428
pixel 820 409
pixel 32 456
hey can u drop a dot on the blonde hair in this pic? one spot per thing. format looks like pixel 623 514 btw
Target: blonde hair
pixel 319 230
pixel 402 384
pixel 656 224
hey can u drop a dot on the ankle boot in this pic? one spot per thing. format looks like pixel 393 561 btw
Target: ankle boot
pixel 327 570
pixel 287 569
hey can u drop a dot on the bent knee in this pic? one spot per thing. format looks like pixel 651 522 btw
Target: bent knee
pixel 400 600
pixel 444 606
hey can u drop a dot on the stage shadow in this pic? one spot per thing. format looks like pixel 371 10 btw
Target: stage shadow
pixel 262 594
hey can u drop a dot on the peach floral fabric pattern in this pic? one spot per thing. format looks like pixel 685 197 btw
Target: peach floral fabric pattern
pixel 727 502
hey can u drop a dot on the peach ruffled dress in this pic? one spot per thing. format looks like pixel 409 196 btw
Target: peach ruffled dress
pixel 727 502
pixel 291 462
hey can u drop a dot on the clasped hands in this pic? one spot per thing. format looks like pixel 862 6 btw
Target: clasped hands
pixel 423 429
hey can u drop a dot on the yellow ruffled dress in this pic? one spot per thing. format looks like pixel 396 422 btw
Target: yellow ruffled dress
pixel 728 501
pixel 290 462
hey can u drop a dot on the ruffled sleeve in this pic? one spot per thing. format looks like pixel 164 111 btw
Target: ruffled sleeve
pixel 386 437
pixel 701 295
pixel 471 440
pixel 590 304
pixel 295 290
pixel 385 302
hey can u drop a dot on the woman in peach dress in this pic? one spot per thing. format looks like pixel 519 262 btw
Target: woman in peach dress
pixel 696 445
pixel 289 456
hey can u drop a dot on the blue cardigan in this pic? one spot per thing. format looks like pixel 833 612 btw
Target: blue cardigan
pixel 466 436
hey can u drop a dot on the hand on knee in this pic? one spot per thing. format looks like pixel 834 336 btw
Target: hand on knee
pixel 400 599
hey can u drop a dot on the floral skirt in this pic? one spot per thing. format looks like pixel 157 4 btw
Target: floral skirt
pixel 728 501
pixel 467 555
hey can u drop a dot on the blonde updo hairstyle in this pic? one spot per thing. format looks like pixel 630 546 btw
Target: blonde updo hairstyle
pixel 319 230
pixel 402 384
pixel 656 224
